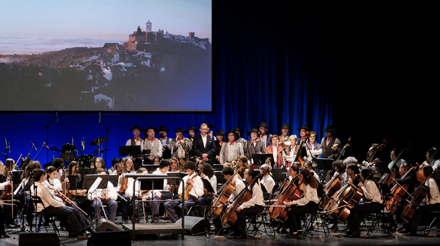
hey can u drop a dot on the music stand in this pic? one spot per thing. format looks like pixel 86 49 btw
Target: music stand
pixel 73 181
pixel 84 171
pixel 129 150
pixel 383 167
pixel 175 174
pixel 150 167
pixel 208 186
pixel 279 174
pixel 114 180
pixel 89 179
pixel 324 164
pixel 260 159
pixel 152 184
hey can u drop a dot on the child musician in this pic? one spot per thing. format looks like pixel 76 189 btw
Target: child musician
pixel 372 202
pixel 306 204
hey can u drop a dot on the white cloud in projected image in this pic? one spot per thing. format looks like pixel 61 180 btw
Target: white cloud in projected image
pixel 28 26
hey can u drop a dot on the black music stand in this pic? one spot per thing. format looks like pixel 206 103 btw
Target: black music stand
pixel 114 180
pixel 150 167
pixel 325 164
pixel 129 150
pixel 89 179
pixel 85 171
pixel 383 167
pixel 16 176
pixel 207 185
pixel 260 159
pixel 175 174
pixel 279 174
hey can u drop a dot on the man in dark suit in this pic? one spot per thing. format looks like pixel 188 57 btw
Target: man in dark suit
pixel 203 144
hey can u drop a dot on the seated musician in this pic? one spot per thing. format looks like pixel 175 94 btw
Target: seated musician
pixel 371 202
pixel 239 186
pixel 243 164
pixel 267 180
pixel 175 165
pixel 112 170
pixel 99 163
pixel 336 151
pixel 163 194
pixel 309 166
pixel 306 204
pixel 430 154
pixel 127 164
pixel 127 168
pixel 139 194
pixel 52 182
pixel 3 214
pixel 70 216
pixel 432 203
pixel 104 197
pixel 339 168
pixel 208 174
pixel 194 194
pixel 252 207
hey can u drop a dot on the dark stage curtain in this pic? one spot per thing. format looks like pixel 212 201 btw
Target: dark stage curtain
pixel 270 64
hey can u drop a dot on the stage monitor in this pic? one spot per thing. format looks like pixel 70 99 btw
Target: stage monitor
pixel 116 56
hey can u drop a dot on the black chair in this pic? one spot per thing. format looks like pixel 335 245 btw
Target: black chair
pixel 40 215
pixel 317 217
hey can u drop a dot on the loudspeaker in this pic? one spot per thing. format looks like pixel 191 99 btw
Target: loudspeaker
pixel 106 238
pixel 38 239
pixel 107 225
pixel 193 225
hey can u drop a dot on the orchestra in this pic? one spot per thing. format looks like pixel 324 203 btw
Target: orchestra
pixel 345 191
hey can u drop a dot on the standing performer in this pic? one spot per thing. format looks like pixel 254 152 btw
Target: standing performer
pixel 152 146
pixel 218 144
pixel 328 141
pixel 204 145
pixel 254 145
pixel 232 150
pixel 136 140
pixel 285 132
pixel 180 146
pixel 264 136
pixel 278 152
pixel 165 140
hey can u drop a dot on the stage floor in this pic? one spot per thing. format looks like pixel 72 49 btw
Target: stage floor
pixel 313 238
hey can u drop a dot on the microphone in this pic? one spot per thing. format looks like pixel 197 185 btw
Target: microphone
pixel 9 144
pixel 99 117
pixel 33 145
pixel 44 144
pixel 57 116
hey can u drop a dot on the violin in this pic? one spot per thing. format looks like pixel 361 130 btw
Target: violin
pixel 124 183
pixel 7 195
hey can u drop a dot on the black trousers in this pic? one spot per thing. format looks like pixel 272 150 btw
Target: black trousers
pixel 354 219
pixel 422 212
pixel 71 215
pixel 239 226
pixel 294 219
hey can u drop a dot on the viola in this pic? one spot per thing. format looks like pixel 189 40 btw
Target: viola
pixel 188 188
pixel 124 183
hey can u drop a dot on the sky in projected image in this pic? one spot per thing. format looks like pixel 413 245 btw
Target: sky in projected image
pixel 28 27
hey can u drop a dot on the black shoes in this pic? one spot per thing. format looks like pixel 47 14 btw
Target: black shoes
pixel 292 235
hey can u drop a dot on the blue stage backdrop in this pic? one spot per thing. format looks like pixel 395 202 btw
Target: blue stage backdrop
pixel 269 66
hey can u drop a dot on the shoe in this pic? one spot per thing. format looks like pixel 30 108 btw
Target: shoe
pixel 82 237
pixel 354 234
pixel 91 230
pixel 405 230
pixel 292 235
pixel 412 233
pixel 240 237
pixel 3 234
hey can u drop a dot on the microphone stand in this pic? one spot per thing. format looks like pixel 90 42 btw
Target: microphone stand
pixel 107 132
pixel 47 134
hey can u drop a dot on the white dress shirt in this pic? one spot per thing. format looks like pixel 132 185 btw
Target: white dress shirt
pixel 197 190
pixel 268 183
pixel 371 192
pixel 239 186
pixel 46 197
pixel 257 197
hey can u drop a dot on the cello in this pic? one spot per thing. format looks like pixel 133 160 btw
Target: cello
pixel 188 188
pixel 334 208
pixel 290 193
pixel 226 190
pixel 331 188
pixel 230 217
pixel 388 178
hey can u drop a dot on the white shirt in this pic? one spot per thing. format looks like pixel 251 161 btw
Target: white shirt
pixel 213 182
pixel 433 192
pixel 257 197
pixel 239 186
pixel 111 192
pixel 53 184
pixel 45 196
pixel 204 138
pixel 309 195
pixel 197 190
pixel 371 192
pixel 268 183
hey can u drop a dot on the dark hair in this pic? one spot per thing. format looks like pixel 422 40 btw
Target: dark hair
pixel 367 173
pixel 38 172
pixel 141 170
pixel 30 167
pixel 309 164
pixel 253 173
pixel 340 165
pixel 431 151
pixel 228 171
pixel 427 170
pixel 164 163
pixel 58 162
pixel 115 160
pixel 208 170
pixel 354 167
pixel 51 169
pixel 309 178
pixel 71 165
pixel 189 165
pixel 295 166
pixel 100 170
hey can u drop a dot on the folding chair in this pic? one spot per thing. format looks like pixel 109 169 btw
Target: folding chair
pixel 39 216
